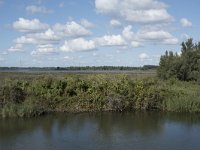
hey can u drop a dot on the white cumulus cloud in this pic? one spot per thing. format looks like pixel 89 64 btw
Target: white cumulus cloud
pixel 127 33
pixel 87 24
pixel 110 40
pixel 115 23
pixel 148 34
pixel 49 36
pixel 26 25
pixel 78 44
pixel 160 36
pixel 136 44
pixel 44 49
pixel 154 35
pixel 143 56
pixel 25 40
pixel 142 11
pixel 45 37
pixel 68 58
pixel 16 48
pixel 185 22
pixel 131 37
pixel 71 29
pixel 171 41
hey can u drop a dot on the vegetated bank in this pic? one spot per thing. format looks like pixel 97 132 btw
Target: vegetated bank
pixel 176 89
pixel 95 92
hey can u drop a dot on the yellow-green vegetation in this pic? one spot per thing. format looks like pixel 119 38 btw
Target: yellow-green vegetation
pixel 183 96
pixel 36 95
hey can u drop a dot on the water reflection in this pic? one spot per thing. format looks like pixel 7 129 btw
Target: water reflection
pixel 108 130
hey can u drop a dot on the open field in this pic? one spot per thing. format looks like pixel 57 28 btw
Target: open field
pixel 30 74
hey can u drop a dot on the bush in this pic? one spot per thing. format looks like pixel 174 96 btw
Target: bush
pixel 17 95
pixel 96 93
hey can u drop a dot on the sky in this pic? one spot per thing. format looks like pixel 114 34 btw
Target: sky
pixel 51 33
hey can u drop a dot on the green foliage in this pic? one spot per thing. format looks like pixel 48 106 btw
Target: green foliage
pixel 185 67
pixel 182 97
pixel 95 92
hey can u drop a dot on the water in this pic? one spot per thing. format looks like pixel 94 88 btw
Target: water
pixel 95 131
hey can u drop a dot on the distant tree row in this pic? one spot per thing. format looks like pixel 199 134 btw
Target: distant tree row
pixel 184 66
pixel 145 67
pixel 79 68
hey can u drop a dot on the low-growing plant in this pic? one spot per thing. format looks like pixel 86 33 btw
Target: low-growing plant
pixel 95 92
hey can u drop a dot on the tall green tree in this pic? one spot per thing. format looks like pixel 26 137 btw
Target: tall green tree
pixel 184 67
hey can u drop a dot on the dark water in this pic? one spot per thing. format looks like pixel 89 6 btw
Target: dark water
pixel 109 131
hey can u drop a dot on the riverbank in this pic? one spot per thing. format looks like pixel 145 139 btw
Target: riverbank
pixel 28 96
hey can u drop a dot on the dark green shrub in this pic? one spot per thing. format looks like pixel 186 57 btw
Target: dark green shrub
pixel 17 95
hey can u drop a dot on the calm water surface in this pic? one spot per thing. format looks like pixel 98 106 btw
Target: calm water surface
pixel 109 131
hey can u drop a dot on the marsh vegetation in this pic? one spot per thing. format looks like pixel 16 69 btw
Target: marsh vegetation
pixel 31 95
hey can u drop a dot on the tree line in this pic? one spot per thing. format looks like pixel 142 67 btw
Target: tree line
pixel 93 68
pixel 79 68
pixel 184 66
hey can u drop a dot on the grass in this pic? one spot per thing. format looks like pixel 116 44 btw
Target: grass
pixel 33 94
pixel 185 97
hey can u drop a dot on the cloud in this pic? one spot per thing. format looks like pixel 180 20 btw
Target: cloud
pixel 71 29
pixel 131 37
pixel 85 23
pixel 127 33
pixel 148 34
pixel 78 44
pixel 171 41
pixel 160 36
pixel 67 58
pixel 136 44
pixel 115 23
pixel 25 40
pixel 185 23
pixel 16 48
pixel 143 56
pixel 44 49
pixel 154 35
pixel 140 11
pixel 25 25
pixel 45 37
pixel 110 40
pixel 149 59
pixel 33 9
pixel 105 6
pixel 52 35
pixel 49 36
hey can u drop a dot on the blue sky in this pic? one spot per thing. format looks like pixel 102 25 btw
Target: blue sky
pixel 62 33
